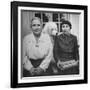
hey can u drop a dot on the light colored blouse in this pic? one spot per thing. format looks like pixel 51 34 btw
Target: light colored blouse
pixel 37 50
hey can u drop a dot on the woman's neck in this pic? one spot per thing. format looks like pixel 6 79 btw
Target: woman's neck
pixel 37 37
pixel 67 34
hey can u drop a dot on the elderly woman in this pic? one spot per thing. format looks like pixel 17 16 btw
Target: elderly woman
pixel 66 51
pixel 37 50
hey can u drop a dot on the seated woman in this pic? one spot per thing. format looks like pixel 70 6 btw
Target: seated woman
pixel 37 50
pixel 66 51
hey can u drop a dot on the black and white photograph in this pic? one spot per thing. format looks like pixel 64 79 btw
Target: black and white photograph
pixel 49 44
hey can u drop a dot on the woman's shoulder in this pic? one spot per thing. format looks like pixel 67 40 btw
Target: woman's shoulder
pixel 62 36
pixel 45 35
pixel 59 35
pixel 73 36
pixel 27 37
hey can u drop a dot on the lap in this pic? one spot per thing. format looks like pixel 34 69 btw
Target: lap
pixel 27 73
pixel 69 71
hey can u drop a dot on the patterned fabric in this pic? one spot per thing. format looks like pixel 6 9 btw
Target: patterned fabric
pixel 66 48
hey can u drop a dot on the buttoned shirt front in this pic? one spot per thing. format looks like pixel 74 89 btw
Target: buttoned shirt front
pixel 37 50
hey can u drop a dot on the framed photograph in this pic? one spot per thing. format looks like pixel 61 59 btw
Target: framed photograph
pixel 48 44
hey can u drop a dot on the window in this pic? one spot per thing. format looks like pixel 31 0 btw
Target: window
pixel 55 17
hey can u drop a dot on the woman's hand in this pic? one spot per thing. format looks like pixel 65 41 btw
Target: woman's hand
pixel 32 71
pixel 60 65
pixel 36 71
pixel 39 71
pixel 59 33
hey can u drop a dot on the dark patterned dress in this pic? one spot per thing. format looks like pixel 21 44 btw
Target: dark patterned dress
pixel 65 49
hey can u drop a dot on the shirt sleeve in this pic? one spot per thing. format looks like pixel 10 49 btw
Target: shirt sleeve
pixel 26 62
pixel 45 63
pixel 76 50
pixel 56 49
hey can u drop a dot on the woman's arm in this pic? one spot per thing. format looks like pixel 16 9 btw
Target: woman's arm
pixel 76 50
pixel 55 49
pixel 45 63
pixel 26 62
pixel 75 61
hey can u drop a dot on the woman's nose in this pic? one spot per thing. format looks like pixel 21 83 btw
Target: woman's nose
pixel 36 27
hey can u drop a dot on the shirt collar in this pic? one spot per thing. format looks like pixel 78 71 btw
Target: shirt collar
pixel 40 39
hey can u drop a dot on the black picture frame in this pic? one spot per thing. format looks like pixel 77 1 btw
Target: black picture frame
pixel 14 43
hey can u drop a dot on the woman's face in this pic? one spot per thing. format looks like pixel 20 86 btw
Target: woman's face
pixel 66 28
pixel 36 27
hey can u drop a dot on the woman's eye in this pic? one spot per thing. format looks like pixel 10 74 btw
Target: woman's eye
pixel 63 26
pixel 38 25
pixel 34 25
pixel 66 26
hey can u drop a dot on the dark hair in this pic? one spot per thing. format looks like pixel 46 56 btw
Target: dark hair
pixel 66 22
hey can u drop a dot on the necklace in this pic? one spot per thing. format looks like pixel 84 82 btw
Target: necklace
pixel 37 43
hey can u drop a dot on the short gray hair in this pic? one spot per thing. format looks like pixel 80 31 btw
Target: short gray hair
pixel 36 18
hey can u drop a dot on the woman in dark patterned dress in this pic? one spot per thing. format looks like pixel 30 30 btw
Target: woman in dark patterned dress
pixel 66 51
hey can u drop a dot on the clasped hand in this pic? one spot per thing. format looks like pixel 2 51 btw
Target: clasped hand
pixel 36 71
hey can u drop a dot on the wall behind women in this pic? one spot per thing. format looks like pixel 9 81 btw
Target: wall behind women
pixel 26 21
pixel 26 17
pixel 74 19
